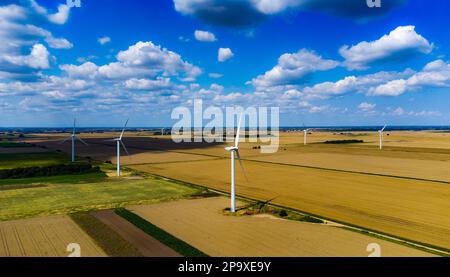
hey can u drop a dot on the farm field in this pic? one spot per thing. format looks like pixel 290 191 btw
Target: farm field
pixel 389 205
pixel 412 168
pixel 202 224
pixel 62 198
pixel 15 160
pixel 403 207
pixel 44 237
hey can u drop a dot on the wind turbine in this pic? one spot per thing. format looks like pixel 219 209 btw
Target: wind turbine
pixel 119 142
pixel 305 135
pixel 74 138
pixel 234 150
pixel 380 132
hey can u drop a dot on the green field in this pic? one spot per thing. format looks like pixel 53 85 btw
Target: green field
pixel 62 179
pixel 9 161
pixel 9 144
pixel 69 198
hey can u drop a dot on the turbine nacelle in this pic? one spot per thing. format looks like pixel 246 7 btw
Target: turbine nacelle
pixel 233 148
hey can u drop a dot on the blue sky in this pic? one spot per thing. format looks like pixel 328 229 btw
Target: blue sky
pixel 321 61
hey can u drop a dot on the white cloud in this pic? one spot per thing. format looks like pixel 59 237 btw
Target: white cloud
pixel 87 70
pixel 60 17
pixel 104 40
pixel 143 60
pixel 353 84
pixel 292 69
pixel 37 59
pixel 18 35
pixel 215 75
pixel 58 43
pixel 204 36
pixel 366 107
pixel 435 74
pixel 147 54
pixel 392 88
pixel 225 54
pixel 403 41
pixel 151 85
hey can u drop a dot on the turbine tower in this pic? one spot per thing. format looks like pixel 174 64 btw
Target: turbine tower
pixel 74 138
pixel 380 132
pixel 234 150
pixel 119 142
pixel 305 136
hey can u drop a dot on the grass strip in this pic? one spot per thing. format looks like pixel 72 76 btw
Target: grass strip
pixel 112 243
pixel 95 177
pixel 176 244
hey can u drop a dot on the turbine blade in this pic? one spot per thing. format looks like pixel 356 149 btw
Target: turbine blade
pixel 241 164
pixel 382 130
pixel 124 148
pixel 123 131
pixel 74 122
pixel 109 140
pixel 236 141
pixel 82 141
pixel 64 140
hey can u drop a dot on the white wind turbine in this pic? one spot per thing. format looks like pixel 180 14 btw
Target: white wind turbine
pixel 73 137
pixel 234 150
pixel 305 135
pixel 380 132
pixel 119 142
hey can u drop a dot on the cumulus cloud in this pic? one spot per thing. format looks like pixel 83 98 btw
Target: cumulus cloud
pixel 401 42
pixel 142 60
pixel 243 13
pixel 22 51
pixel 149 85
pixel 435 74
pixel 104 40
pixel 215 75
pixel 59 17
pixel 224 54
pixel 366 107
pixel 353 84
pixel 292 69
pixel 204 36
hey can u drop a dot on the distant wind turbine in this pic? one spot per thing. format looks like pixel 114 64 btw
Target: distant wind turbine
pixel 234 150
pixel 380 132
pixel 74 138
pixel 305 135
pixel 119 142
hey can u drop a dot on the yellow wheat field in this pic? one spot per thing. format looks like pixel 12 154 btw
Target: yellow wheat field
pixel 416 210
pixel 44 237
pixel 202 224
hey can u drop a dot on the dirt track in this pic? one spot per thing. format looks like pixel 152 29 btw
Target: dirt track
pixel 147 245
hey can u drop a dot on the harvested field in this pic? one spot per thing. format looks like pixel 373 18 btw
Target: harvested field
pixel 21 150
pixel 145 244
pixel 422 169
pixel 416 210
pixel 202 224
pixel 44 237
pixel 408 208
